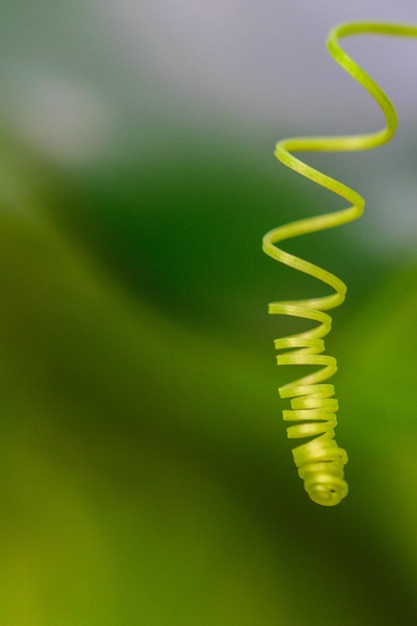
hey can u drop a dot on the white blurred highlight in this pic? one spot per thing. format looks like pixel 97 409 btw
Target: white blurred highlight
pixel 63 118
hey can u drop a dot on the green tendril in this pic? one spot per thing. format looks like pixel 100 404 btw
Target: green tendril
pixel 320 461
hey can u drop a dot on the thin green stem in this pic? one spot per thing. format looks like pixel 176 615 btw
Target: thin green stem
pixel 320 461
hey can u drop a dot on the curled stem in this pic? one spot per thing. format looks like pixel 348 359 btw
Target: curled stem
pixel 319 460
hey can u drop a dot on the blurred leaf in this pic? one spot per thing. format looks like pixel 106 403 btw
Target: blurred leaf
pixel 184 230
pixel 377 384
pixel 146 474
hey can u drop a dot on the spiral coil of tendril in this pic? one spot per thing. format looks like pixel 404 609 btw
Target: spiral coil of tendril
pixel 319 460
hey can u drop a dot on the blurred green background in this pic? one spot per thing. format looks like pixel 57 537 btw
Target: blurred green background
pixel 146 474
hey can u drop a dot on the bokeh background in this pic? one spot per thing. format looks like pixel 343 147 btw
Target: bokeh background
pixel 146 478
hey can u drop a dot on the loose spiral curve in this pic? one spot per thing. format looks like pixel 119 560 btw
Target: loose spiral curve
pixel 319 460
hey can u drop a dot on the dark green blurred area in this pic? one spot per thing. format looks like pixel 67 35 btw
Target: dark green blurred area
pixel 147 478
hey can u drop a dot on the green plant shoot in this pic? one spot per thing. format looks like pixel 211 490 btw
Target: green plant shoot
pixel 319 460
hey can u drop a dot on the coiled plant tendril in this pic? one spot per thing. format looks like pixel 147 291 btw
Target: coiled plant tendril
pixel 319 460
